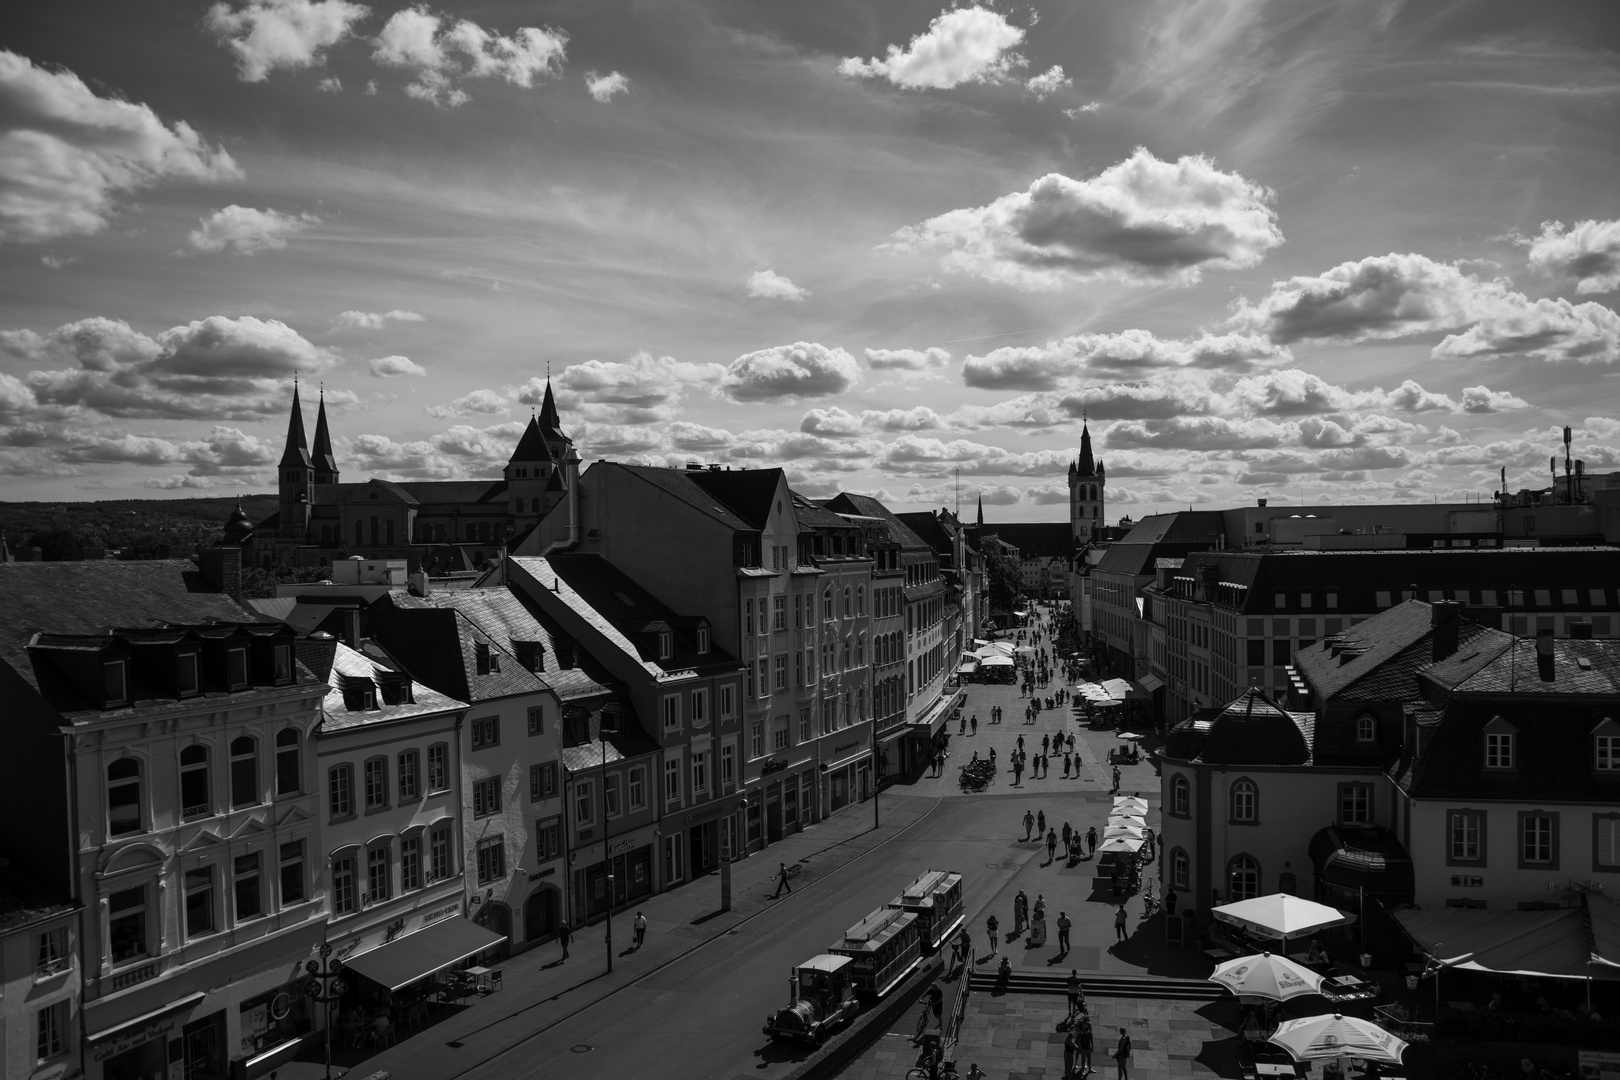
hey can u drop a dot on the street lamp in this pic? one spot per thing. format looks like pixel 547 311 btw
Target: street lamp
pixel 608 724
pixel 325 986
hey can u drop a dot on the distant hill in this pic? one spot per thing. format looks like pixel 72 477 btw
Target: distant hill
pixel 137 528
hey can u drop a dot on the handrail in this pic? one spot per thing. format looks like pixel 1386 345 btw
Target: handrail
pixel 953 1030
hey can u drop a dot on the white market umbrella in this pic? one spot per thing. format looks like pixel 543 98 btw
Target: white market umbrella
pixel 1128 736
pixel 1119 845
pixel 1129 821
pixel 1280 915
pixel 996 661
pixel 1312 1038
pixel 1130 804
pixel 1276 978
pixel 1116 830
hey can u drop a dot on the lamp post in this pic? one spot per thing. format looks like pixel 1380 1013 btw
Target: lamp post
pixel 325 986
pixel 608 724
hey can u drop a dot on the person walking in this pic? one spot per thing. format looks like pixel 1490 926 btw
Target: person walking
pixel 1116 781
pixel 974 724
pixel 990 927
pixel 1051 845
pixel 1091 841
pixel 1085 1041
pixel 1147 835
pixel 1120 919
pixel 1076 996
pixel 1040 823
pixel 1071 1051
pixel 640 927
pixel 1046 743
pixel 1020 744
pixel 1068 834
pixel 1066 757
pixel 992 757
pixel 1122 1055
pixel 1029 815
pixel 1040 906
pixel 1064 924
pixel 565 935
pixel 1020 911
pixel 781 881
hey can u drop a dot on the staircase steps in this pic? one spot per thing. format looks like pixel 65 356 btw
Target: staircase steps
pixel 1096 985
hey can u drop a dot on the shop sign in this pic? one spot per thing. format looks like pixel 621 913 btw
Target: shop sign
pixel 54 1072
pixel 841 747
pixel 133 1037
pixel 771 765
pixel 717 809
pixel 619 847
pixel 452 908
pixel 1599 1064
pixel 1467 881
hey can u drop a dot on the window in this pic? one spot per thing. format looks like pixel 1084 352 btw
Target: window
pixel 1355 804
pixel 410 863
pixel 779 612
pixel 245 887
pixel 289 774
pixel 195 799
pixel 537 721
pixel 1498 750
pixel 124 796
pixel 439 853
pixel 1245 802
pixel 51 1026
pixel 748 616
pixel 486 732
pixel 485 659
pixel 827 603
pixel 340 791
pixel 1606 841
pixel 781 672
pixel 728 765
pixel 491 859
pixel 756 739
pixel 292 872
pixel 804 720
pixel 50 951
pixel 700 772
pixel 860 600
pixel 1281 651
pixel 113 689
pixel 376 781
pixel 1381 598
pixel 343 897
pixel 548 839
pixel 700 708
pixel 410 780
pixel 1256 651
pixel 1538 840
pixel 1244 878
pixel 126 924
pixel 703 641
pixel 438 767
pixel 1366 729
pixel 638 788
pixel 186 677
pixel 487 796
pixel 763 682
pixel 377 875
pixel 672 712
pixel 1180 870
pixel 1608 747
pixel 199 901
pixel 543 781
pixel 674 863
pixel 584 807
pixel 610 793
pixel 666 644
pixel 672 780
pixel 779 737
pixel 798 610
pixel 1465 836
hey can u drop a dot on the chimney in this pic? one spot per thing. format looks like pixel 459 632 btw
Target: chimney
pixel 222 569
pixel 1443 622
pixel 351 628
pixel 1261 503
pixel 419 583
pixel 1544 655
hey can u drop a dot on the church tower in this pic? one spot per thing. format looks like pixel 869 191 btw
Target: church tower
pixel 326 470
pixel 294 476
pixel 1086 491
pixel 543 468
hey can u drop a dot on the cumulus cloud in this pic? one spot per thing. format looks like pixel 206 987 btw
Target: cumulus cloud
pixel 1084 356
pixel 1385 297
pixel 907 359
pixel 1482 399
pixel 803 369
pixel 1201 433
pixel 769 285
pixel 838 423
pixel 966 45
pixel 1048 82
pixel 604 87
pixel 485 402
pixel 391 367
pixel 1142 221
pixel 1080 110
pixel 330 85
pixel 66 155
pixel 1588 253
pixel 244 230
pixel 265 35
pixel 373 320
pixel 642 389
pixel 438 54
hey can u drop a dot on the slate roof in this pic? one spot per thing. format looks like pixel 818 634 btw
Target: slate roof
pixel 92 597
pixel 439 492
pixel 532 446
pixel 1579 668
pixel 749 492
pixel 25 899
pixel 630 741
pixel 438 645
pixel 812 514
pixel 847 502
pixel 1160 536
pixel 678 483
pixel 1552 753
pixel 1035 538
pixel 929 529
pixel 349 664
pixel 1379 659
pixel 1251 730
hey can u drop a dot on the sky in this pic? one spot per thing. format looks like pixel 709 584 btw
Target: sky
pixel 1305 250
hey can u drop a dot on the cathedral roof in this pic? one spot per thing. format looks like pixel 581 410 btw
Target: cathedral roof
pixel 532 447
pixel 297 453
pixel 321 453
pixel 1086 466
pixel 550 423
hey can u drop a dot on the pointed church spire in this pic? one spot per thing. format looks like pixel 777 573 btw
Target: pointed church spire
pixel 297 453
pixel 321 452
pixel 531 448
pixel 1087 467
pixel 550 422
pixel 981 511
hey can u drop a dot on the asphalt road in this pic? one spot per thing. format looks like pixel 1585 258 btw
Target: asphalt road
pixel 701 1017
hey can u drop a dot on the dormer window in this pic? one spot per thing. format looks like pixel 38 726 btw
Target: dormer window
pixel 1366 729
pixel 666 644
pixel 113 689
pixel 186 673
pixel 488 663
pixel 703 641
pixel 1499 748
pixel 236 668
pixel 1279 599
pixel 1606 744
pixel 283 664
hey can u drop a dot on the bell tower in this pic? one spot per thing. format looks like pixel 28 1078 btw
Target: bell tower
pixel 294 476
pixel 1087 498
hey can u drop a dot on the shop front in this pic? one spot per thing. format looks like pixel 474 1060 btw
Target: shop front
pixel 845 754
pixel 701 827
pixel 891 753
pixel 629 863
pixel 924 734
pixel 141 1048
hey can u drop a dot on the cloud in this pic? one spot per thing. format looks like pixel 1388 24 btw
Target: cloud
pixel 642 389
pixel 769 285
pixel 996 495
pixel 57 262
pixel 1080 110
pixel 1481 399
pixel 803 369
pixel 966 45
pixel 1142 221
pixel 66 155
pixel 485 402
pixel 245 230
pixel 389 367
pixel 907 359
pixel 438 55
pixel 1200 433
pixel 838 423
pixel 1083 356
pixel 373 320
pixel 604 87
pixel 1047 83
pixel 268 34
pixel 1588 253
pixel 330 85
pixel 1386 297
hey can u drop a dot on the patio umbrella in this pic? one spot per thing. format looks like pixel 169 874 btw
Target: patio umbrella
pixel 1130 804
pixel 1128 736
pixel 1120 845
pixel 1115 830
pixel 1129 821
pixel 1276 978
pixel 1312 1038
pixel 1280 915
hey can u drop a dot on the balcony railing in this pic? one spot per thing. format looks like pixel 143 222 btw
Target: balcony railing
pixel 130 976
pixel 189 812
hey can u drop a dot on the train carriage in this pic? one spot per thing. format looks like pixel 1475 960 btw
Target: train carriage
pixel 886 947
pixel 936 898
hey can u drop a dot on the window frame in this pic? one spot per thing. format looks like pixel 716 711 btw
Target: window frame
pixel 191 809
pixel 1366 729
pixel 1232 866
pixel 486 796
pixel 344 772
pixel 293 751
pixel 143 911
pixel 1350 789
pixel 441 852
pixel 542 781
pixel 374 783
pixel 486 732
pixel 286 863
pixel 537 720
pixel 1180 869
pixel 441 782
pixel 138 783
pixel 548 839
pixel 51 955
pixel 52 1030
pixel 1462 814
pixel 408 779
pixel 1612 819
pixel 636 788
pixel 379 855
pixel 1554 839
pixel 1500 751
pixel 345 887
pixel 238 879
pixel 1243 785
pixel 205 888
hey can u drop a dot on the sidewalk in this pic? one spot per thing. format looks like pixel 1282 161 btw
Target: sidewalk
pixel 541 990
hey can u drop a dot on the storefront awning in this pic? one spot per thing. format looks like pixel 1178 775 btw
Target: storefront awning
pixel 1150 683
pixel 1563 943
pixel 434 948
pixel 938 712
pixel 147 1017
pixel 1363 859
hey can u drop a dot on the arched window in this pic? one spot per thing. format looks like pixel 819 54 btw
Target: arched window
pixel 1366 728
pixel 244 771
pixel 860 701
pixel 827 603
pixel 124 796
pixel 848 610
pixel 388 528
pixel 1180 796
pixel 483 530
pixel 860 599
pixel 359 533
pixel 289 773
pixel 195 799
pixel 1243 878
pixel 860 650
pixel 1245 802
pixel 1180 870
pixel 472 531
pixel 374 530
pixel 534 504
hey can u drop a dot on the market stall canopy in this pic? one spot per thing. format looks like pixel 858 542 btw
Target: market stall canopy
pixel 1120 688
pixel 996 661
pixel 1120 845
pixel 1129 820
pixel 1275 978
pixel 1280 915
pixel 1312 1038
pixel 1564 943
pixel 1115 830
pixel 1128 736
pixel 1130 803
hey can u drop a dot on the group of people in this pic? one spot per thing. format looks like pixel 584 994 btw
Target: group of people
pixel 1076 844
